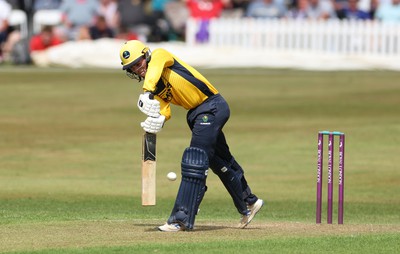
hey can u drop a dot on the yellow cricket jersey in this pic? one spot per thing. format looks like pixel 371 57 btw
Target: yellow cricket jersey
pixel 174 81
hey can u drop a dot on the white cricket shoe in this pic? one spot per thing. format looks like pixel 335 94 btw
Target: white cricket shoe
pixel 174 227
pixel 253 210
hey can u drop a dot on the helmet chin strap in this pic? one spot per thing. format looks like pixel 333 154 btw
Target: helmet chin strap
pixel 132 75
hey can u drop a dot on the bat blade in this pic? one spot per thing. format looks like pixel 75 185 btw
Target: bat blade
pixel 149 169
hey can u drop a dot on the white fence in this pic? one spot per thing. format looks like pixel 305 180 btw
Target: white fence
pixel 332 37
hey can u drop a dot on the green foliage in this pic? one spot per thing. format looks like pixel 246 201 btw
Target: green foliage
pixel 70 156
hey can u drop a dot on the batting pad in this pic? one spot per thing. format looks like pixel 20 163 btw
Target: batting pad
pixel 231 175
pixel 192 188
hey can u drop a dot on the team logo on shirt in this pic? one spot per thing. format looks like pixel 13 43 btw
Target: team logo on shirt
pixel 205 120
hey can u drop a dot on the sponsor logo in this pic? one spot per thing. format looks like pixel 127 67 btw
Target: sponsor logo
pixel 166 93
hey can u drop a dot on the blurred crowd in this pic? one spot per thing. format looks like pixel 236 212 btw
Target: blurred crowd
pixel 164 20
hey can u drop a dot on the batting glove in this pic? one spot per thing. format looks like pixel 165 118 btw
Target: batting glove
pixel 148 105
pixel 153 124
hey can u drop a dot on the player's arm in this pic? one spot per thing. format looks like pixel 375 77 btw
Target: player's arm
pixel 165 108
pixel 157 109
pixel 160 59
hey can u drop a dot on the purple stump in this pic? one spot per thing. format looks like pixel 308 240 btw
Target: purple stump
pixel 319 175
pixel 341 178
pixel 330 177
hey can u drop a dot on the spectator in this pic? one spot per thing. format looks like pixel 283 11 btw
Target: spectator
pixel 352 12
pixel 43 40
pixel 240 6
pixel 320 10
pixel 372 8
pixel 125 34
pixel 206 9
pixel 137 17
pixel 298 10
pixel 100 29
pixel 16 4
pixel 158 8
pixel 78 13
pixel 203 11
pixel 83 34
pixel 269 9
pixel 5 29
pixel 39 5
pixel 338 6
pixel 27 7
pixel 176 14
pixel 388 12
pixel 163 26
pixel 131 15
pixel 46 5
pixel 108 9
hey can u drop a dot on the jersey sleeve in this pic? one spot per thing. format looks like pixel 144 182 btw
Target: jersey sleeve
pixel 165 108
pixel 160 59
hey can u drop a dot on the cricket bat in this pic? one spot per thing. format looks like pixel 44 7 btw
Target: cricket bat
pixel 149 169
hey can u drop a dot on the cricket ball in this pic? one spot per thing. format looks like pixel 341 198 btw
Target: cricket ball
pixel 171 176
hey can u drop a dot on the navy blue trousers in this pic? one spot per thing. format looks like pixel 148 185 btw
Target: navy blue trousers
pixel 206 122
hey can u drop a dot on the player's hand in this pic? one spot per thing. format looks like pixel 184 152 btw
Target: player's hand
pixel 153 124
pixel 148 105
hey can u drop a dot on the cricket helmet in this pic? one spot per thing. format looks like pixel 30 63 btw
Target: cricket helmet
pixel 131 52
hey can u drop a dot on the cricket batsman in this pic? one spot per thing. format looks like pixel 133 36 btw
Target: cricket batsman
pixel 171 81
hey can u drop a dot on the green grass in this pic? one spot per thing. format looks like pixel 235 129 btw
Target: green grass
pixel 358 244
pixel 70 160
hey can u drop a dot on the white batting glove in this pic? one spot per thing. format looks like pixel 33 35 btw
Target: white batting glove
pixel 148 105
pixel 153 124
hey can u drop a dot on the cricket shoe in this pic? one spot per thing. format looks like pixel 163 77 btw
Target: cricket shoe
pixel 173 227
pixel 253 210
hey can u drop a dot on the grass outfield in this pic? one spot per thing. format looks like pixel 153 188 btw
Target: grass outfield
pixel 70 163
